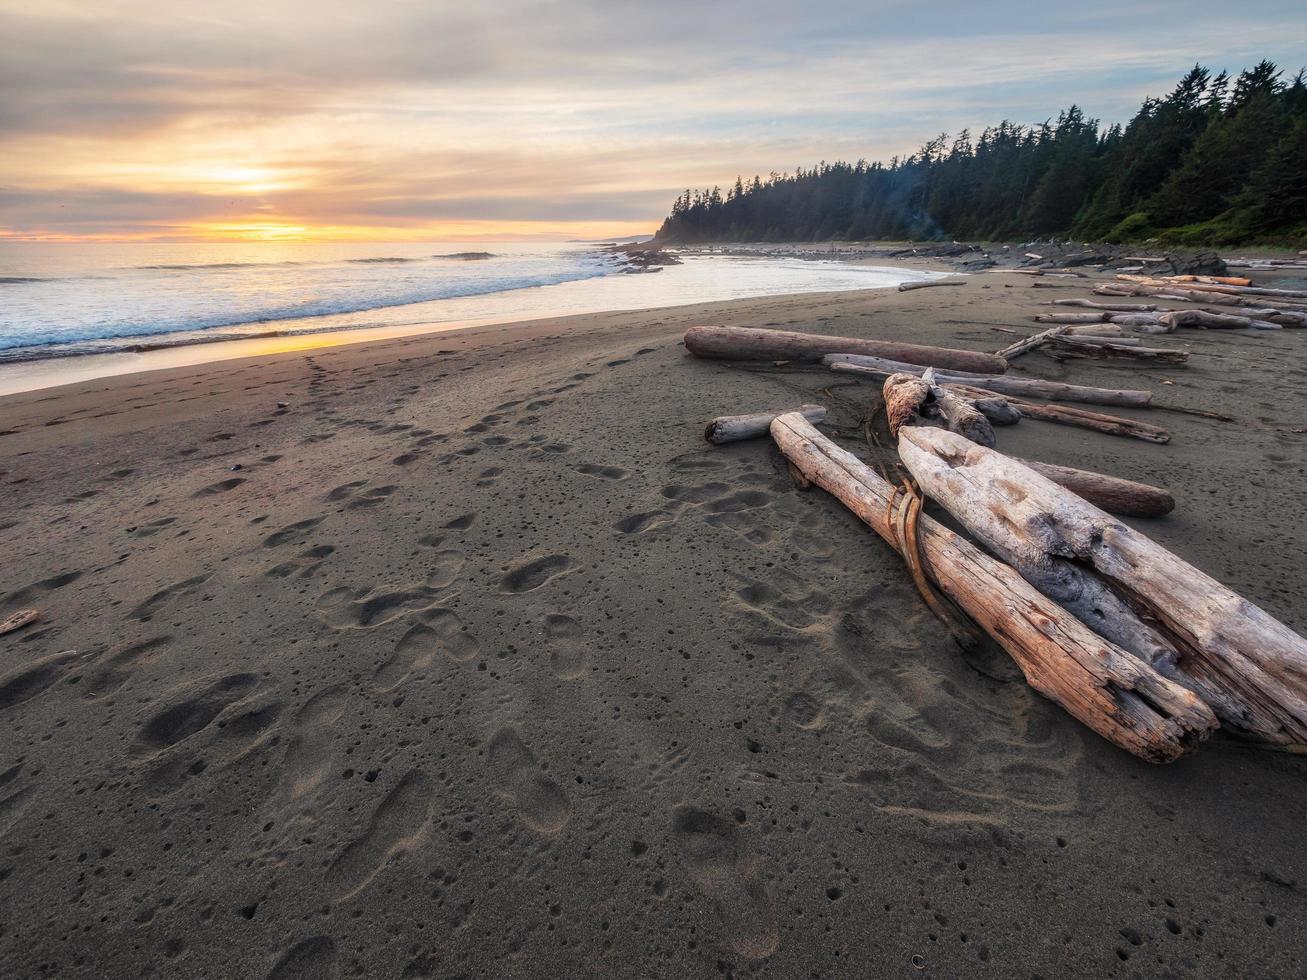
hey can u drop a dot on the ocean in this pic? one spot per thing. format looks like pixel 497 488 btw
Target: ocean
pixel 61 300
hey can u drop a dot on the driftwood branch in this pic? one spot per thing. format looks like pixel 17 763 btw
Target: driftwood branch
pixel 1098 683
pixel 1111 493
pixel 881 368
pixel 734 428
pixel 905 286
pixel 1113 425
pixel 1249 666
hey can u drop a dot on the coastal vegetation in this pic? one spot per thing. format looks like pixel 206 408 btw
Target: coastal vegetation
pixel 1219 160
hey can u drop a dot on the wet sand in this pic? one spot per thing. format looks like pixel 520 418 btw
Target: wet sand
pixel 463 655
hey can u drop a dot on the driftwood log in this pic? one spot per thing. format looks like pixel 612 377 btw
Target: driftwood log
pixel 908 398
pixel 905 286
pixel 1124 700
pixel 1107 349
pixel 1251 668
pixel 1113 425
pixel 754 344
pixel 734 428
pixel 1111 493
pixel 881 368
pixel 1111 307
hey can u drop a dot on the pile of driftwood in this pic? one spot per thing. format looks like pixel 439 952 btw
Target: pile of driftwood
pixel 1143 648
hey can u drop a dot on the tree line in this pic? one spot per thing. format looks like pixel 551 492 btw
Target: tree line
pixel 1217 161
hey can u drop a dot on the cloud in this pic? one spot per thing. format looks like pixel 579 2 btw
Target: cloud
pixel 413 111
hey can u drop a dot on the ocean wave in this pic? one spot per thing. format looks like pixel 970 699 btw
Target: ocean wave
pixel 382 260
pixel 19 280
pixel 466 256
pixel 184 267
pixel 93 333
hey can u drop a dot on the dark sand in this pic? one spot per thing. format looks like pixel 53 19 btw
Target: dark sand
pixel 482 665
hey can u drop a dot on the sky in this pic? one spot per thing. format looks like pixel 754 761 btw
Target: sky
pixel 424 120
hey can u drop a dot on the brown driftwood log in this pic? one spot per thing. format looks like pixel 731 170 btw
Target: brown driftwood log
pixel 24 617
pixel 908 398
pixel 905 286
pixel 1250 667
pixel 1216 287
pixel 734 428
pixel 1113 425
pixel 1111 307
pixel 904 395
pixel 1124 700
pixel 754 344
pixel 881 368
pixel 1113 494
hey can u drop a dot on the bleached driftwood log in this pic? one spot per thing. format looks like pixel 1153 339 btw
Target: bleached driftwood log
pixel 1111 307
pixel 754 344
pixel 1073 318
pixel 734 428
pixel 1124 700
pixel 959 414
pixel 904 396
pixel 1026 344
pixel 1216 287
pixel 1109 349
pixel 1250 667
pixel 1113 425
pixel 1212 321
pixel 1113 494
pixel 905 286
pixel 1094 338
pixel 881 368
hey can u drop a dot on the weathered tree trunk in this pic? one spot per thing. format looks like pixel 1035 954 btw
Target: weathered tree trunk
pixel 734 428
pixel 905 286
pixel 1209 321
pixel 1093 338
pixel 753 344
pixel 1070 317
pixel 1216 287
pixel 904 396
pixel 1252 667
pixel 960 415
pixel 1070 415
pixel 1083 348
pixel 881 368
pixel 1113 494
pixel 1026 344
pixel 1101 685
pixel 908 398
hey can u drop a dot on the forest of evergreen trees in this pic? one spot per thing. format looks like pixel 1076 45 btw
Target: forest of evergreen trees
pixel 1214 162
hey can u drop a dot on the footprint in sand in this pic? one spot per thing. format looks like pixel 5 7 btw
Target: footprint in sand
pixel 601 472
pixel 150 606
pixel 306 563
pixel 531 575
pixel 568 654
pixel 183 718
pixel 27 682
pixel 397 826
pixel 312 959
pixel 307 762
pixel 729 874
pixel 639 523
pixel 540 801
pixel 116 667
pixel 292 532
pixel 439 633
pixel 220 487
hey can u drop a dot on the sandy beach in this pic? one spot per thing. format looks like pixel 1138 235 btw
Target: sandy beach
pixel 463 655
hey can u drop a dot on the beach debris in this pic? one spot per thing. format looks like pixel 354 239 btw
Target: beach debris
pixel 905 286
pixel 1119 696
pixel 758 344
pixel 1249 667
pixel 1071 415
pixel 24 617
pixel 881 368
pixel 908 397
pixel 734 428
pixel 1112 493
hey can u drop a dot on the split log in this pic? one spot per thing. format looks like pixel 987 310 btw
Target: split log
pixel 1088 338
pixel 881 368
pixel 754 344
pixel 734 428
pixel 1111 493
pixel 905 286
pixel 1098 683
pixel 908 398
pixel 1249 666
pixel 1112 425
